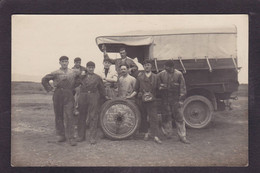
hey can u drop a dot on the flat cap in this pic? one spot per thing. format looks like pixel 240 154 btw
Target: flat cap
pixel 148 61
pixel 122 48
pixel 64 58
pixel 77 59
pixel 169 63
pixel 90 63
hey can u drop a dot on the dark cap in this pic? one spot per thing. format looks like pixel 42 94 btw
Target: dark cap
pixel 122 48
pixel 147 61
pixel 169 63
pixel 77 59
pixel 90 63
pixel 124 65
pixel 64 58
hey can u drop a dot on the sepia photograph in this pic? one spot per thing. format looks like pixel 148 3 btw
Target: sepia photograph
pixel 129 90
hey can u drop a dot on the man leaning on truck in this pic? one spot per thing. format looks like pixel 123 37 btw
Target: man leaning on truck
pixel 172 85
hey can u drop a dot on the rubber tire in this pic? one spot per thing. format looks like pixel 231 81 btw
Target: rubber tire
pixel 132 106
pixel 209 112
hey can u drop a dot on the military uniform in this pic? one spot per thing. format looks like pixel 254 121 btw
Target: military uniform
pixel 64 81
pixel 148 84
pixel 92 92
pixel 175 90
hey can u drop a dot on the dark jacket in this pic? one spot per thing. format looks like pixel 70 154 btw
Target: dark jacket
pixel 92 83
pixel 147 84
pixel 175 84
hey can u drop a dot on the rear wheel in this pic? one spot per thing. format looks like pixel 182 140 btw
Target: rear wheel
pixel 119 118
pixel 197 111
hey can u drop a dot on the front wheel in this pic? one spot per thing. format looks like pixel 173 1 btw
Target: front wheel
pixel 119 118
pixel 197 111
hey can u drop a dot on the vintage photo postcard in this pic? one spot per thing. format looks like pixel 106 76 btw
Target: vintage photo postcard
pixel 129 90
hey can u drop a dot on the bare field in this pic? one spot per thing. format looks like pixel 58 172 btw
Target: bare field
pixel 223 143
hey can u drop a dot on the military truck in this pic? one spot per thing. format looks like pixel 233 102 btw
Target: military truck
pixel 207 58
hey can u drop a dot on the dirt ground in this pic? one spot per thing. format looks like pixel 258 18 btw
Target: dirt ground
pixel 223 143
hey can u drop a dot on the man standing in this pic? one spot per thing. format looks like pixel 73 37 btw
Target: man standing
pixel 92 92
pixel 124 60
pixel 77 66
pixel 109 77
pixel 126 84
pixel 146 87
pixel 63 101
pixel 172 85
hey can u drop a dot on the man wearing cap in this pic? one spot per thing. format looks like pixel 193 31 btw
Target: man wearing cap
pixel 146 87
pixel 64 81
pixel 92 92
pixel 172 85
pixel 124 60
pixel 77 66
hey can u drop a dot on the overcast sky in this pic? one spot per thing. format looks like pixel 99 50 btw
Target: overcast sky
pixel 39 40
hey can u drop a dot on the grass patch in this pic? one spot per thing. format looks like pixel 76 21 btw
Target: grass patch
pixel 27 88
pixel 33 105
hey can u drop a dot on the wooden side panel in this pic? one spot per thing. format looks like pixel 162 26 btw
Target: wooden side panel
pixel 201 64
pixel 223 78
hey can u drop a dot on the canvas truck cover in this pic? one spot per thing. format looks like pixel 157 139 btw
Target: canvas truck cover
pixel 189 43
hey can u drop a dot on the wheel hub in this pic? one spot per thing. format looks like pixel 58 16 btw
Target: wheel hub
pixel 197 112
pixel 119 118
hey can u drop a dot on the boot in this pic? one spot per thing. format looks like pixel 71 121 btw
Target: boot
pixel 184 140
pixel 80 139
pixel 157 140
pixel 93 138
pixel 72 142
pixel 93 141
pixel 146 136
pixel 61 139
pixel 167 129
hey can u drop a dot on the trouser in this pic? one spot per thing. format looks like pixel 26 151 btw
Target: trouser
pixel 63 103
pixel 110 92
pixel 150 110
pixel 172 109
pixel 89 105
pixel 144 123
pixel 76 97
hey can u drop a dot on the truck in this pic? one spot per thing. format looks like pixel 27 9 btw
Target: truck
pixel 207 57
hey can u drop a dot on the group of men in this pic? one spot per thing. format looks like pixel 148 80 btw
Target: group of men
pixel 79 94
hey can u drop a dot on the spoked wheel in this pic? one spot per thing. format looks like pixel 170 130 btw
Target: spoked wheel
pixel 197 111
pixel 119 118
